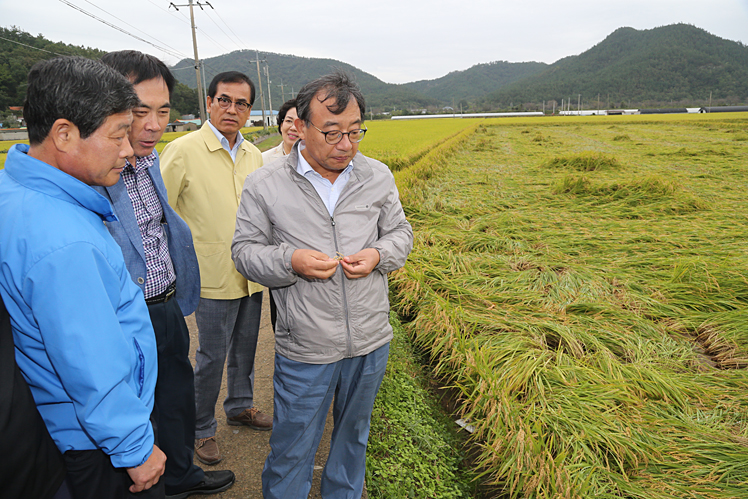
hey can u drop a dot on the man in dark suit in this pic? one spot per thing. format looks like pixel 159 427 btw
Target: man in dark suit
pixel 160 256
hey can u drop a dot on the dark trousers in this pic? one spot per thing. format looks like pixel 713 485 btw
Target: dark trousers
pixel 64 491
pixel 92 476
pixel 174 407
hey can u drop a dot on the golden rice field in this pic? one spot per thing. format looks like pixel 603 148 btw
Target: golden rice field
pixel 400 143
pixel 582 284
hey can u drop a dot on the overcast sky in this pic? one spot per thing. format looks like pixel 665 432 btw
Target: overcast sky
pixel 396 41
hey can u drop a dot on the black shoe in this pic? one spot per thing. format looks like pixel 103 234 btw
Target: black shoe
pixel 213 483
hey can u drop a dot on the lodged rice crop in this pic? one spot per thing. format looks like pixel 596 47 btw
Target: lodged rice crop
pixel 593 320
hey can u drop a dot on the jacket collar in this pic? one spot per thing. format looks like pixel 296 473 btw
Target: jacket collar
pixel 212 142
pixel 41 177
pixel 361 170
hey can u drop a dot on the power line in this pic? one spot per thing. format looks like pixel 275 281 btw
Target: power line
pixel 222 31
pixel 133 27
pixel 172 14
pixel 165 50
pixel 202 32
pixel 29 46
pixel 238 40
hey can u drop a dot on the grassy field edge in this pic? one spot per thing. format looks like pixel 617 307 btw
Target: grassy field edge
pixel 415 449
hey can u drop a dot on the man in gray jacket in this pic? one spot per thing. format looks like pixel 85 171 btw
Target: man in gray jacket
pixel 321 228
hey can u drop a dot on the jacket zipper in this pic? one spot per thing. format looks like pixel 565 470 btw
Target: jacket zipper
pixel 347 191
pixel 349 341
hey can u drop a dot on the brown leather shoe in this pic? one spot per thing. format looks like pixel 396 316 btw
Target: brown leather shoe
pixel 253 418
pixel 206 450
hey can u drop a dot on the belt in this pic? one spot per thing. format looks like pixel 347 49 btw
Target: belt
pixel 163 297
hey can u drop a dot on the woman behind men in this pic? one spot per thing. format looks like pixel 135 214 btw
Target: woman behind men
pixel 286 117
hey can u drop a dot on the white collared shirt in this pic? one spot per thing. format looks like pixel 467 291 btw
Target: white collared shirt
pixel 328 192
pixel 225 142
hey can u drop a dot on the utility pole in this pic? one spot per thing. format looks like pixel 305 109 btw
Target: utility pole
pixel 283 94
pixel 204 96
pixel 270 102
pixel 579 105
pixel 259 82
pixel 201 101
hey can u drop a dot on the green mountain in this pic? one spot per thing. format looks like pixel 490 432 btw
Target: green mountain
pixel 674 65
pixel 20 50
pixel 295 71
pixel 471 84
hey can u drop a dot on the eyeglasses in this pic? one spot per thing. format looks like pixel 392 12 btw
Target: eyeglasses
pixel 225 103
pixel 334 136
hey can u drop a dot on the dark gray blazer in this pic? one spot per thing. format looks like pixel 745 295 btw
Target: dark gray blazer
pixel 127 234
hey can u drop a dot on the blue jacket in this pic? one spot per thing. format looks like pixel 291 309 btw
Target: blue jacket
pixel 81 328
pixel 127 234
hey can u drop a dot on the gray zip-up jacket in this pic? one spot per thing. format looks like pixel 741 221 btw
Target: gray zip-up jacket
pixel 322 321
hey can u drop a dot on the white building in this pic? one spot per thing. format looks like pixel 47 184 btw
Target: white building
pixel 255 118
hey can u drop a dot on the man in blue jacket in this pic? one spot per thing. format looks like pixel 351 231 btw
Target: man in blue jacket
pixel 159 253
pixel 80 325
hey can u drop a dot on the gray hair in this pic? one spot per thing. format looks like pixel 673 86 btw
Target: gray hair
pixel 339 86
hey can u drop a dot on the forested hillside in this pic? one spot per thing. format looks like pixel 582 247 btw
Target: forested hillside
pixel 474 83
pixel 20 50
pixel 678 64
pixel 295 71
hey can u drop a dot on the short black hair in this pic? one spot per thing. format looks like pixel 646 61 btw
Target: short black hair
pixel 339 86
pixel 231 77
pixel 77 89
pixel 284 109
pixel 139 67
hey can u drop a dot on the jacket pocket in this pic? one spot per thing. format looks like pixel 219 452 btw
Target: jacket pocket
pixel 284 318
pixel 211 258
pixel 368 306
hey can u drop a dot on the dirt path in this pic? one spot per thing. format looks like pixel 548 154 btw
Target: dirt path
pixel 244 450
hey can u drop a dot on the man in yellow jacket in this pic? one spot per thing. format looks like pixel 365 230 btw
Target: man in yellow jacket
pixel 204 173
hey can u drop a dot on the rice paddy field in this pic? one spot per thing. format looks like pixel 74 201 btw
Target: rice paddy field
pixel 400 143
pixel 582 285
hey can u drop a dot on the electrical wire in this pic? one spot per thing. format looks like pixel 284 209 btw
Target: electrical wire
pixel 165 48
pixel 30 46
pixel 133 27
pixel 222 31
pixel 162 49
pixel 172 13
pixel 232 31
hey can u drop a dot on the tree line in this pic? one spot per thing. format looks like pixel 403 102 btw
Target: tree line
pixel 20 50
